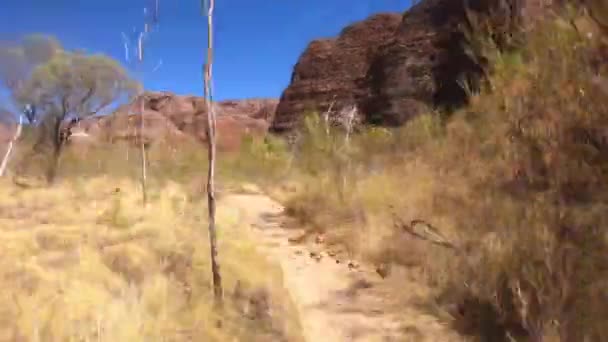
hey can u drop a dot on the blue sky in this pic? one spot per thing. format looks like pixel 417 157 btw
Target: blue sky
pixel 257 42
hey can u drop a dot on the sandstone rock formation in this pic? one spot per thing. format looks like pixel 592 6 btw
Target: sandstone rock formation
pixel 393 66
pixel 334 70
pixel 170 118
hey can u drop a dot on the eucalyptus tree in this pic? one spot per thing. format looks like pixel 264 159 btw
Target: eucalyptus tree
pixel 66 88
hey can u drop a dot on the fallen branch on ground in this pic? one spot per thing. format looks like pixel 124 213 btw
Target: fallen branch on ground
pixel 423 230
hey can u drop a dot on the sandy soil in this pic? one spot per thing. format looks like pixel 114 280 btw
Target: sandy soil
pixel 337 300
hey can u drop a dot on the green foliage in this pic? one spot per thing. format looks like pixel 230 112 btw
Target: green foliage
pixel 264 159
pixel 75 85
pixel 39 48
pixel 12 65
pixel 17 61
pixel 58 86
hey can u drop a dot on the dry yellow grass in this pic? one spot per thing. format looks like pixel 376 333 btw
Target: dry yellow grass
pixel 516 180
pixel 84 261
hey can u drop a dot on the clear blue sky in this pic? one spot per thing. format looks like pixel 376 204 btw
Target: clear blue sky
pixel 257 42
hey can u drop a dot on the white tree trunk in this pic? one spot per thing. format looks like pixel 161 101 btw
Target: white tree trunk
pixel 11 144
pixel 144 159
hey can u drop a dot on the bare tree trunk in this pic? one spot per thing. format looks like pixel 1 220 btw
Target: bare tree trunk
pixel 11 144
pixel 144 159
pixel 51 174
pixel 215 266
pixel 59 138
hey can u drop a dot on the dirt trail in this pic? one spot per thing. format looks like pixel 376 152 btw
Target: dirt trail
pixel 335 302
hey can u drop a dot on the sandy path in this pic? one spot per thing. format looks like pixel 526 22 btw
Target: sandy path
pixel 337 303
pixel 332 299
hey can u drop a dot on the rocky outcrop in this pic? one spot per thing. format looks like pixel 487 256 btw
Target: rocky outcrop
pixel 173 119
pixel 334 70
pixel 393 67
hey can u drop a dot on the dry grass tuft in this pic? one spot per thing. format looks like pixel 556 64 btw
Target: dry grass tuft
pixel 516 181
pixel 84 261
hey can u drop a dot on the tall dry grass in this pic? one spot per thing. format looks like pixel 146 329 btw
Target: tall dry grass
pixel 516 181
pixel 83 260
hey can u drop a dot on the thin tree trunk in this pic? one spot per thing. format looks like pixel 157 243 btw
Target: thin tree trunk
pixel 11 144
pixel 144 159
pixel 59 139
pixel 215 266
pixel 51 175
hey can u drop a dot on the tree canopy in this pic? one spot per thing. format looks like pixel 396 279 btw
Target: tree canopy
pixel 74 85
pixel 51 86
pixel 45 81
pixel 19 59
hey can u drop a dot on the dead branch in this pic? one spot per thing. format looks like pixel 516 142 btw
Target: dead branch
pixel 423 230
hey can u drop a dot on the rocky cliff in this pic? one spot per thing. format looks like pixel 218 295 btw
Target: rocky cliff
pixel 393 66
pixel 171 118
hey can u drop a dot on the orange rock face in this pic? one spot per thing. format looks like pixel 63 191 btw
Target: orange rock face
pixel 173 119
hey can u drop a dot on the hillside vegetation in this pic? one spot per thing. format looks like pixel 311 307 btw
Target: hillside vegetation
pixel 84 260
pixel 497 210
pixel 501 206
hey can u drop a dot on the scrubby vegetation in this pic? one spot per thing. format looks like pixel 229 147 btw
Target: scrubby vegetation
pixel 500 208
pixel 53 86
pixel 515 183
pixel 84 260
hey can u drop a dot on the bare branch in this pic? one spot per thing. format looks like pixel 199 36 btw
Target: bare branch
pixel 423 230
